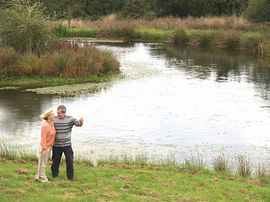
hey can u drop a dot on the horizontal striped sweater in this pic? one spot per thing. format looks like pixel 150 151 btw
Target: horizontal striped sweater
pixel 63 129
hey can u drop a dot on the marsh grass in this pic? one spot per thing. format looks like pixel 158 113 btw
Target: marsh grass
pixel 179 37
pixel 205 39
pixel 138 159
pixel 231 39
pixel 221 164
pixel 64 31
pixel 263 171
pixel 124 30
pixel 15 152
pixel 205 23
pixel 195 164
pixel 67 61
pixel 244 166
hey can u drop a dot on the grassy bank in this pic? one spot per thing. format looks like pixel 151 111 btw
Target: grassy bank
pixel 129 179
pixel 217 32
pixel 38 82
pixel 127 182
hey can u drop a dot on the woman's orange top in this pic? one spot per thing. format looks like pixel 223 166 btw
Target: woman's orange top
pixel 47 135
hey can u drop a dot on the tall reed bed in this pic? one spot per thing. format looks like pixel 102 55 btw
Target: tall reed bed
pixel 68 61
pixel 15 152
pixel 242 166
pixel 225 22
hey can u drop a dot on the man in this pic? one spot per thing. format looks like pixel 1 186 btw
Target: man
pixel 63 125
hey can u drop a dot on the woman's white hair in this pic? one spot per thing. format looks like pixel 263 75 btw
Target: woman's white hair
pixel 46 114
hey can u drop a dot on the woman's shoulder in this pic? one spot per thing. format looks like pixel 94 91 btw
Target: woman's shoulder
pixel 44 124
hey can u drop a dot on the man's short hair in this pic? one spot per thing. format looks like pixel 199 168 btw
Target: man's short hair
pixel 62 108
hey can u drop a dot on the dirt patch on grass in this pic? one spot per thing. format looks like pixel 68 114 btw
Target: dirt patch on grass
pixel 17 192
pixel 122 177
pixel 258 183
pixel 22 171
pixel 68 195
pixel 89 192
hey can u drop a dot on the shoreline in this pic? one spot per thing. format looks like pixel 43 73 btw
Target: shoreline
pixel 60 86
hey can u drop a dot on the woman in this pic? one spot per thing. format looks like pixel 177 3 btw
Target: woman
pixel 47 141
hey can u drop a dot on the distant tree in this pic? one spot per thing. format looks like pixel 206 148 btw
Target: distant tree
pixel 258 11
pixel 134 9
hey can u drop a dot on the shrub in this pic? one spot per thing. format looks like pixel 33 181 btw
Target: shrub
pixel 60 60
pixel 109 63
pixel 8 62
pixel 29 65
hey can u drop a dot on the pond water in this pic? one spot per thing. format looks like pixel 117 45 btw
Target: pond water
pixel 172 103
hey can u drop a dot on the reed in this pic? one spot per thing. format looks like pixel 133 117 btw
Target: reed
pixel 244 167
pixel 205 23
pixel 66 61
pixel 179 37
pixel 221 164
pixel 15 153
pixel 124 30
pixel 263 171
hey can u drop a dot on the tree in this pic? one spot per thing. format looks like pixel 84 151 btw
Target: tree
pixel 22 26
pixel 258 11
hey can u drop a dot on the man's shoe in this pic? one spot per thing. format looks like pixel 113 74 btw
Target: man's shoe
pixel 72 179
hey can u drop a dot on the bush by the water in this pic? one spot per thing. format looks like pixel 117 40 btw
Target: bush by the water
pixel 67 61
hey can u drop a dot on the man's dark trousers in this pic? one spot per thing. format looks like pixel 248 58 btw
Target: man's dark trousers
pixel 56 157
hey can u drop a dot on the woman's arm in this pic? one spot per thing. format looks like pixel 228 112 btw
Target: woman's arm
pixel 44 132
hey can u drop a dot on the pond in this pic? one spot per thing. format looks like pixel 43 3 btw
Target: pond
pixel 171 103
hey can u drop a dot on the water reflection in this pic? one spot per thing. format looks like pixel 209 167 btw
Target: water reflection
pixel 19 113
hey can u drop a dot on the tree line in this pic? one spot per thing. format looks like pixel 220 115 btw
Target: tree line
pixel 255 10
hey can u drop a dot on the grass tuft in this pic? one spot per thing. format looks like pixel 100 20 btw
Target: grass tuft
pixel 244 167
pixel 221 164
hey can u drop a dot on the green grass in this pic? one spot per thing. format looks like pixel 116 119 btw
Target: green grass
pixel 151 34
pixel 63 31
pixel 126 182
pixel 36 82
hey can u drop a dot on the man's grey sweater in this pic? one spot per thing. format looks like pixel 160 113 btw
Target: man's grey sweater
pixel 63 129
